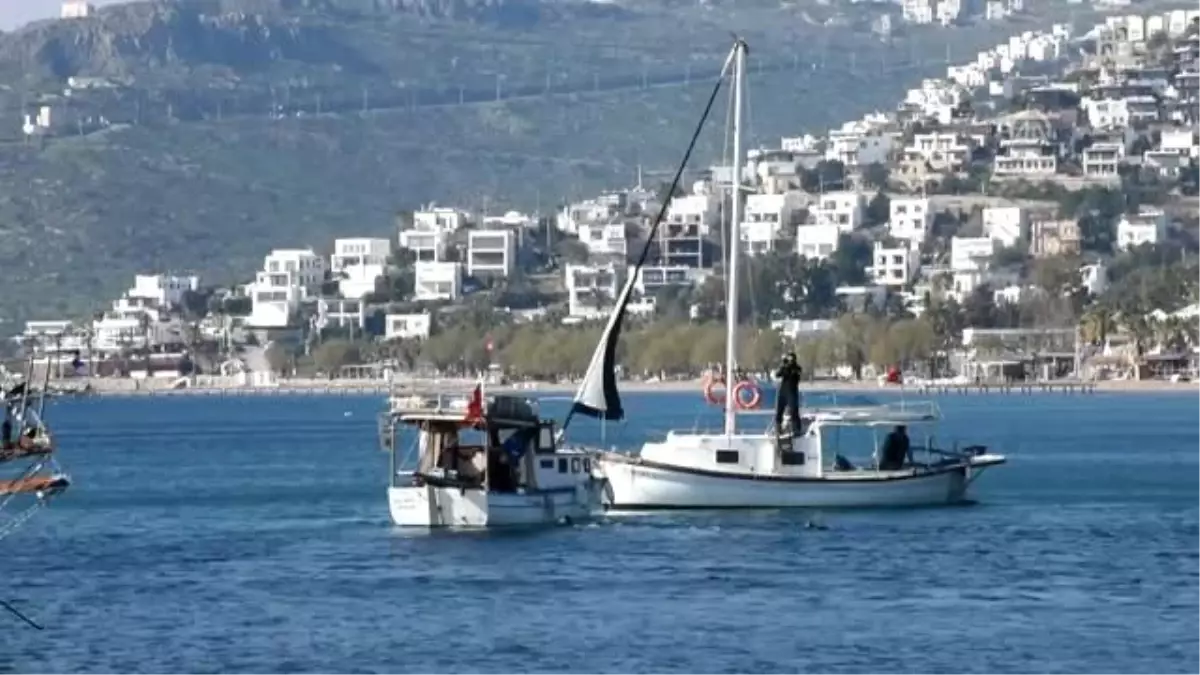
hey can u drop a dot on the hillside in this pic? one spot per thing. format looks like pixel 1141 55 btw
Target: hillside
pixel 245 124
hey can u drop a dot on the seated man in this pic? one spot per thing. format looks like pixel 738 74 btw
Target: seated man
pixel 895 450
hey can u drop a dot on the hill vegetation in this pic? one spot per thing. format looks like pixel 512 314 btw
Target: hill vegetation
pixel 226 127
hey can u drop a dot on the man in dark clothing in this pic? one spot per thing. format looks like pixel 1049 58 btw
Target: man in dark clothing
pixel 789 392
pixel 895 450
pixel 6 429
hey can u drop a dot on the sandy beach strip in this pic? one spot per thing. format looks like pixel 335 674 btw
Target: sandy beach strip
pixel 127 387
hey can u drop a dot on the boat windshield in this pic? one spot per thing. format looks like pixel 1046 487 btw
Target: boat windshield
pixel 861 444
pixel 831 399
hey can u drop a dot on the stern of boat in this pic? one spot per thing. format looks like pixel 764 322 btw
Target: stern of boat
pixel 434 506
pixel 979 463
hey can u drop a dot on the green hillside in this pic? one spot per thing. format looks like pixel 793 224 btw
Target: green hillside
pixel 242 125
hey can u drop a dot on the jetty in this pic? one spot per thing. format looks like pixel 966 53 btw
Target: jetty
pixel 1047 387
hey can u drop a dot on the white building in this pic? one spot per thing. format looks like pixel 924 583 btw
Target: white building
pixel 425 245
pixel 843 209
pixel 910 219
pixel 437 281
pixel 442 218
pixel 948 11
pixel 1185 142
pixel 429 237
pixel 356 264
pixel 817 242
pixel 765 218
pixel 1094 277
pixel 941 151
pixel 701 210
pixel 971 75
pixel 491 252
pixel 894 267
pixel 52 336
pixel 407 326
pixel 1102 160
pixel 1020 157
pixel 592 289
pixel 1103 114
pixel 511 220
pixel 345 313
pixel 1149 226
pixel 111 335
pixel 604 239
pixel 288 277
pixel 1005 225
pixel 605 208
pixel 858 144
pixel 50 120
pixel 971 253
pixel 653 278
pixel 970 263
pixel 76 9
pixel 917 11
pixel 159 291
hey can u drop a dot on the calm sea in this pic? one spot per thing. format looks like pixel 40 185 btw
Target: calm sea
pixel 251 535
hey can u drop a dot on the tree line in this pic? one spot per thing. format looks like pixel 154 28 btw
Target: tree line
pixel 649 349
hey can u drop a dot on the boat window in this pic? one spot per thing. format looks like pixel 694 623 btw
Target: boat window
pixel 546 439
pixel 562 464
pixel 792 458
pixel 727 457
pixel 546 464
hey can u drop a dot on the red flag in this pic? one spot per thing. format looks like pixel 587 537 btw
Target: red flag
pixel 475 406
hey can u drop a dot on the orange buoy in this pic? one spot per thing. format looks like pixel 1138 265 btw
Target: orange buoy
pixel 755 395
pixel 711 385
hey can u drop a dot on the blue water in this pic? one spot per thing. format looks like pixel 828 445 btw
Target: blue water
pixel 251 535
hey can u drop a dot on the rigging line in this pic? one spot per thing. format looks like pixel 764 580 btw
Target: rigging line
pixel 17 613
pixel 666 200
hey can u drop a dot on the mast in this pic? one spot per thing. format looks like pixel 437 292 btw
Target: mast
pixel 735 241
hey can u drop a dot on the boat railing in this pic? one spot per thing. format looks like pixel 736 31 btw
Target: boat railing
pixel 427 402
pixel 436 403
pixel 898 412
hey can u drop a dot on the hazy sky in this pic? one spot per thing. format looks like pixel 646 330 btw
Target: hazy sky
pixel 13 13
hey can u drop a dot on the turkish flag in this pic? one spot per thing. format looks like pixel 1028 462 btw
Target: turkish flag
pixel 475 406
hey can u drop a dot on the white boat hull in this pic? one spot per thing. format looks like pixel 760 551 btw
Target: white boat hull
pixel 432 506
pixel 633 484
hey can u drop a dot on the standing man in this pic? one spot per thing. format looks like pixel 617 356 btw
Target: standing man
pixel 789 392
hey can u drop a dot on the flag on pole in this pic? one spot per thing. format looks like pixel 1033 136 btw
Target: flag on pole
pixel 475 406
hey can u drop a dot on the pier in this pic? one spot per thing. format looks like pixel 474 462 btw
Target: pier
pixel 1076 387
pixel 160 392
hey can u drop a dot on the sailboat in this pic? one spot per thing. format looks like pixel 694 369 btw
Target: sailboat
pixel 769 468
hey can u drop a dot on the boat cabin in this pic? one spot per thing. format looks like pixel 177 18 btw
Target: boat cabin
pixel 507 448
pixel 834 439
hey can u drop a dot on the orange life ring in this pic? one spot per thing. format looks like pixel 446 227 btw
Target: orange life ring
pixel 710 390
pixel 755 395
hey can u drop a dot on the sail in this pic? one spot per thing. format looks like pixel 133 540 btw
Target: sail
pixel 598 395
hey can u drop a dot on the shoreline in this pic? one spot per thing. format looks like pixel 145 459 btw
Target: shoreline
pixel 132 388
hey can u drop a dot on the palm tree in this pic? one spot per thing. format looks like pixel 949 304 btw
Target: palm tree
pixel 1172 334
pixel 1096 325
pixel 1140 330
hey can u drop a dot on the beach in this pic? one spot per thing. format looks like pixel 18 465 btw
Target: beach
pixel 230 386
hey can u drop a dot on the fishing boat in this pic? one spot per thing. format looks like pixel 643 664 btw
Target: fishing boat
pixel 771 467
pixel 483 462
pixel 29 473
pixel 30 477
